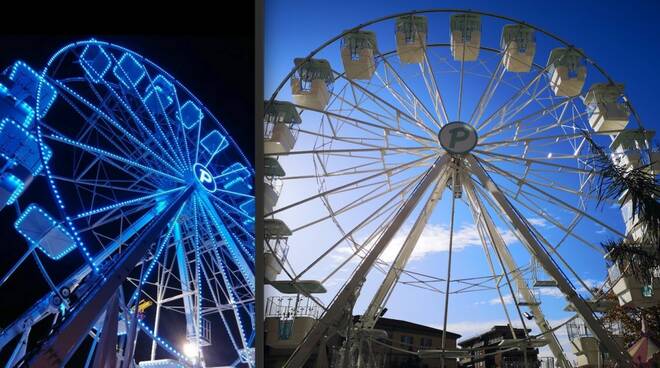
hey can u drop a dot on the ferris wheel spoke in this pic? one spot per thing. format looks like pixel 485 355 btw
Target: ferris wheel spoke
pixel 488 92
pixel 504 106
pixel 129 202
pixel 398 113
pixel 554 199
pixel 376 193
pixel 137 119
pixel 549 246
pixel 112 156
pixel 392 169
pixel 526 200
pixel 406 87
pixel 533 161
pixel 379 128
pixel 384 208
pixel 116 125
pixel 238 254
pixel 230 292
pixel 180 156
pixel 527 119
pixel 507 115
pixel 146 132
pixel 431 84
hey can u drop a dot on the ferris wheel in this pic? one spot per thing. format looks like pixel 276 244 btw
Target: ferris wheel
pixel 142 226
pixel 396 133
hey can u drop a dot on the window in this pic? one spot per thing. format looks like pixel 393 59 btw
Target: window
pixel 285 328
pixel 425 342
pixel 407 342
pixel 647 291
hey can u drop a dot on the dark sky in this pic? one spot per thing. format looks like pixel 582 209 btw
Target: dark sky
pixel 218 69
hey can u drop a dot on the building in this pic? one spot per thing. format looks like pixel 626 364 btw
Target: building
pixel 288 319
pixel 486 350
pixel 413 337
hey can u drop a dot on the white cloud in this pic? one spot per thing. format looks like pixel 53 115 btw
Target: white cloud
pixel 538 221
pixel 435 239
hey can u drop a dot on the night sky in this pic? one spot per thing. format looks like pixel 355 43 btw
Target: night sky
pixel 217 68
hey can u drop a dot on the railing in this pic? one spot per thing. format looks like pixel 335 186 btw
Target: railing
pixel 289 307
pixel 520 363
pixel 278 247
pixel 577 328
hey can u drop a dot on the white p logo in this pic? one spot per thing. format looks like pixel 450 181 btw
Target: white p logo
pixel 458 137
pixel 204 177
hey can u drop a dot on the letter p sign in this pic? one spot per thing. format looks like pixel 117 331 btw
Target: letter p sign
pixel 204 177
pixel 457 137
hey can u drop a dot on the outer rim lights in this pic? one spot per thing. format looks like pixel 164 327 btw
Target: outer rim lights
pixel 204 177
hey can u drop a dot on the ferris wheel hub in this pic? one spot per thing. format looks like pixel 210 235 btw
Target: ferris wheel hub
pixel 204 177
pixel 458 137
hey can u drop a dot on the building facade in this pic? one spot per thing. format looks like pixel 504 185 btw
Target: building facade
pixel 486 351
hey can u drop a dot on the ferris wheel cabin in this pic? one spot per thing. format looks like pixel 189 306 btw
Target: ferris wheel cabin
pixel 357 54
pixel 310 87
pixel 465 36
pixel 519 44
pixel 411 36
pixel 567 72
pixel 280 121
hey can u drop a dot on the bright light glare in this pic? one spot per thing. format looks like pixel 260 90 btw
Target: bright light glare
pixel 190 349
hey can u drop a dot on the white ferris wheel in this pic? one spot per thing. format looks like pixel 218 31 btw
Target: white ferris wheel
pixel 432 120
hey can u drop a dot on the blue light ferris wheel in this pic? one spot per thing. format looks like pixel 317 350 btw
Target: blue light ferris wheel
pixel 146 239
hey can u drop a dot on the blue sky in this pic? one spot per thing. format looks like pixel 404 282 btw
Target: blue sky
pixel 626 48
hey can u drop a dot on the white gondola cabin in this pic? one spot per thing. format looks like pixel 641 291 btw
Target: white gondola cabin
pixel 629 290
pixel 276 234
pixel 273 173
pixel 357 54
pixel 634 229
pixel 567 71
pixel 628 145
pixel 607 112
pixel 40 229
pixel 519 45
pixel 586 347
pixel 465 36
pixel 310 86
pixel 411 34
pixel 288 320
pixel 281 120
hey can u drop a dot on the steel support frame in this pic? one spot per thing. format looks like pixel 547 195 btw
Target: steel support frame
pixel 346 297
pixel 372 313
pixel 498 242
pixel 536 249
pixel 59 348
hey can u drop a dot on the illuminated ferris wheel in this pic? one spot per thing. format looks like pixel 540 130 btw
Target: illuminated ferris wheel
pixel 143 230
pixel 411 119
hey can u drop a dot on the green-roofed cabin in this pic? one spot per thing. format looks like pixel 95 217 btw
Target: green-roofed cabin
pixel 272 168
pixel 465 36
pixel 411 33
pixel 357 54
pixel 280 121
pixel 607 113
pixel 519 44
pixel 311 82
pixel 567 71
pixel 276 228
